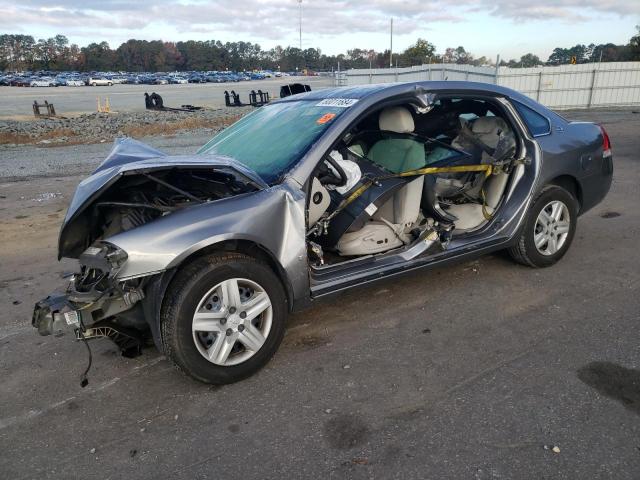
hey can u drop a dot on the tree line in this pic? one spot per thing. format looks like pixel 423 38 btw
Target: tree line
pixel 23 52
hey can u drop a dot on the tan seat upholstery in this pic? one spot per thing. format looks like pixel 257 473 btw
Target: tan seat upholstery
pixel 402 210
pixel 488 130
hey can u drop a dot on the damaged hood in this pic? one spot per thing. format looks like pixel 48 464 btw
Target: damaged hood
pixel 130 158
pixel 129 155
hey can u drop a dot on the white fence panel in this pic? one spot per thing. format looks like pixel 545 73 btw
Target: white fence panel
pixel 564 86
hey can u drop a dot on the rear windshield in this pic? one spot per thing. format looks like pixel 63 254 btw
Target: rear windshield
pixel 275 137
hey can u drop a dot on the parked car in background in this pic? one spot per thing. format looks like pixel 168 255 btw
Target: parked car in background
pixel 22 81
pixel 74 82
pixel 99 82
pixel 178 80
pixel 43 82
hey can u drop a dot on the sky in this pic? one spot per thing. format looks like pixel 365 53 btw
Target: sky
pixel 510 28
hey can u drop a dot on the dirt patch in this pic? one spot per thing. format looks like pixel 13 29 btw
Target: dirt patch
pixel 186 124
pixel 99 127
pixel 25 139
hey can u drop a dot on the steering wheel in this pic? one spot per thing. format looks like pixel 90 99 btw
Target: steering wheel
pixel 329 177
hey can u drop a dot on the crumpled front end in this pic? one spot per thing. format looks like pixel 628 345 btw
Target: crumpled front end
pixel 136 186
pixel 92 296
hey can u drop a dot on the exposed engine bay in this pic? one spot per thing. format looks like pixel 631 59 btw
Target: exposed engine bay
pixel 139 197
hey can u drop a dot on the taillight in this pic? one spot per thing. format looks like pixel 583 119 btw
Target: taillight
pixel 606 143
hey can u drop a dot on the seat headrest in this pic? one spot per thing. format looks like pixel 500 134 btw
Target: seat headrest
pixel 484 125
pixel 396 119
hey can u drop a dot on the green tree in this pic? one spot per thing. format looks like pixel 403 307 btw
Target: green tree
pixel 418 53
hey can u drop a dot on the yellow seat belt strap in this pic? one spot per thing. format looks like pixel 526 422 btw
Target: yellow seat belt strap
pixel 487 169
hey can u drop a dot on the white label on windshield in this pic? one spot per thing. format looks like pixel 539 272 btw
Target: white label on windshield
pixel 337 102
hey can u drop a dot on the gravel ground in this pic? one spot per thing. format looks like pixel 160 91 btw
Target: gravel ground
pixel 484 370
pixel 96 127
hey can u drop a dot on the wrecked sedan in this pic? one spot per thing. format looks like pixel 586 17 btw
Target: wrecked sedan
pixel 206 254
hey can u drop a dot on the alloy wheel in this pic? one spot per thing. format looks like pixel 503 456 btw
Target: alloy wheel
pixel 232 321
pixel 552 228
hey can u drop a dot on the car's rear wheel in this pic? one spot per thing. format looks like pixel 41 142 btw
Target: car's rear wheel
pixel 548 230
pixel 223 317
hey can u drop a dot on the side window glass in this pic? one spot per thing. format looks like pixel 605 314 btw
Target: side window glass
pixel 468 116
pixel 537 124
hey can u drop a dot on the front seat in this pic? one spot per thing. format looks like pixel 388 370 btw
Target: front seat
pixel 389 224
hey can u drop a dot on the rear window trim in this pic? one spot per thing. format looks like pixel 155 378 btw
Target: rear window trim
pixel 524 121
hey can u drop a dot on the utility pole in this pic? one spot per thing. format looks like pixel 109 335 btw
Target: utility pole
pixel 391 46
pixel 300 5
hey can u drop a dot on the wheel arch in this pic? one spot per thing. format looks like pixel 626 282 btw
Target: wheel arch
pixel 159 284
pixel 249 248
pixel 570 184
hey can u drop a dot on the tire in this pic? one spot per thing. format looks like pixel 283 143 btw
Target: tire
pixel 109 84
pixel 93 84
pixel 200 287
pixel 548 231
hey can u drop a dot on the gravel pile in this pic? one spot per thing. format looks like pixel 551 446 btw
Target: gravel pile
pixel 94 127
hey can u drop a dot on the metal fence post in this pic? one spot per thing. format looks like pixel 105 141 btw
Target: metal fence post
pixel 593 84
pixel 539 86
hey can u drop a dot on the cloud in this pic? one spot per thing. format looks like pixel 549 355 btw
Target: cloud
pixel 277 20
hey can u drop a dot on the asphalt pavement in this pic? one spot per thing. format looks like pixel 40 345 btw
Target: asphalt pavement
pixel 484 370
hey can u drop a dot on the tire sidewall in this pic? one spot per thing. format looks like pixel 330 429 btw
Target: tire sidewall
pixel 184 351
pixel 549 194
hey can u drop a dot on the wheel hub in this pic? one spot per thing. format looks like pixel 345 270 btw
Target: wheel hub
pixel 232 321
pixel 552 228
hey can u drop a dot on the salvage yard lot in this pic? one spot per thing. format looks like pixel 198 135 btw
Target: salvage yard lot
pixel 476 371
pixel 17 101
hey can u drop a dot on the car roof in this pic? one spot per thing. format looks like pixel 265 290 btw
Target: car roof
pixel 362 91
pixel 391 89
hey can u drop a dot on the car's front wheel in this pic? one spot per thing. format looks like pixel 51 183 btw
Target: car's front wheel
pixel 223 317
pixel 548 230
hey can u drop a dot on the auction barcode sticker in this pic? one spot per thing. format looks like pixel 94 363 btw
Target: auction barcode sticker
pixel 337 102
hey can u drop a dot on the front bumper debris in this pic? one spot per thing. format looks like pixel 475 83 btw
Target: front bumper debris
pixel 55 314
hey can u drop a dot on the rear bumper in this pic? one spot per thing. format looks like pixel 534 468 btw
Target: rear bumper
pixel 596 186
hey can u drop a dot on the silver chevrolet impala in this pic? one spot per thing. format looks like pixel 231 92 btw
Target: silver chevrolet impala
pixel 206 254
